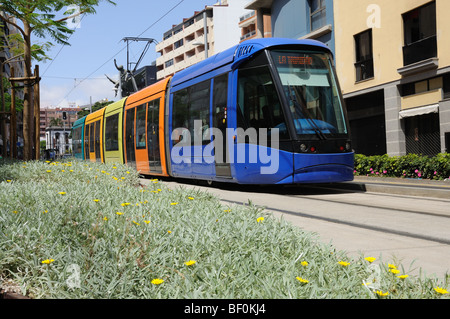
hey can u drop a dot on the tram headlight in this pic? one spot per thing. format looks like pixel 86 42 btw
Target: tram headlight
pixel 348 146
pixel 303 148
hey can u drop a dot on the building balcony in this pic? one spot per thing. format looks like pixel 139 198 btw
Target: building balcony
pixel 248 19
pixel 248 36
pixel 420 51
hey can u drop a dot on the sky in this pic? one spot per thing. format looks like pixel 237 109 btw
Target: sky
pixel 76 73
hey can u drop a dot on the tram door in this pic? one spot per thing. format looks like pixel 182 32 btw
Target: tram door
pixel 129 137
pixel 220 99
pixel 154 156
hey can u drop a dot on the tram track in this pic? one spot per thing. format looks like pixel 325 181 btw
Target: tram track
pixel 399 215
pixel 352 224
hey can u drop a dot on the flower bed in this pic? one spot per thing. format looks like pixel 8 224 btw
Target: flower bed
pixel 88 230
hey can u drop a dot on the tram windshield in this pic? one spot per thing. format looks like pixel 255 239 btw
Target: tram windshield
pixel 310 86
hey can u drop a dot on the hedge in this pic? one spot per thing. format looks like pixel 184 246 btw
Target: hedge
pixel 408 166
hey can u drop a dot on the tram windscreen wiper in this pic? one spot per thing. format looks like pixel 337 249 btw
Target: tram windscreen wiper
pixel 305 114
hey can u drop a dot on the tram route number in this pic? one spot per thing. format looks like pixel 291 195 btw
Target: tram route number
pixel 232 309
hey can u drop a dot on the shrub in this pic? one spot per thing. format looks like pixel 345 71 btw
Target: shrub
pixel 408 166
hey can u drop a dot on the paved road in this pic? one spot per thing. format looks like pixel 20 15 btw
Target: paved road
pixel 383 222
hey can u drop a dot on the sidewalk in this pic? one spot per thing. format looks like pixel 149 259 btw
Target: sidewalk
pixel 400 186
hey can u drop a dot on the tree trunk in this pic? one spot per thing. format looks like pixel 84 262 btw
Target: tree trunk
pixel 28 113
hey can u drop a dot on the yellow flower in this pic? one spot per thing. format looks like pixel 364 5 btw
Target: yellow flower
pixel 403 276
pixel 260 219
pixel 45 211
pixel 48 261
pixel 191 198
pixel 136 223
pixel 304 263
pixel 125 204
pixel 370 259
pixel 395 271
pixel 105 218
pixel 96 200
pixel 173 204
pixel 15 212
pixel 343 263
pixel 119 213
pixel 382 294
pixel 227 211
pixel 49 171
pixel 190 262
pixel 147 222
pixel 169 231
pixel 62 193
pixel 303 281
pixel 8 181
pixel 441 291
pixel 157 281
pixel 392 266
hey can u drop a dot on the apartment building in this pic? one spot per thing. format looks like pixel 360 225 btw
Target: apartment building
pixel 205 33
pixel 393 61
pixel 57 117
pixel 295 19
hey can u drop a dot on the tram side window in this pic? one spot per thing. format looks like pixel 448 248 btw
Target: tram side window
pixel 190 105
pixel 76 140
pixel 140 126
pixel 91 138
pixel 112 133
pixel 258 101
pixel 97 140
pixel 86 141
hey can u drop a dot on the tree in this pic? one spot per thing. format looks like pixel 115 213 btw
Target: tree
pixel 54 121
pixel 38 18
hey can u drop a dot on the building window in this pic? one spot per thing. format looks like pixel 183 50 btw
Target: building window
pixel 422 86
pixel 364 56
pixel 178 44
pixel 169 63
pixel 318 14
pixel 420 34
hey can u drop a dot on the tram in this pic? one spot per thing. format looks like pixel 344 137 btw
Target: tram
pixel 266 111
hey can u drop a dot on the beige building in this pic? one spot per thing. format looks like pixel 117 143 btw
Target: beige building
pixel 184 44
pixel 393 62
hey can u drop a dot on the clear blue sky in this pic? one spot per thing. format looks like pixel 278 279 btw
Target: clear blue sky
pixel 77 72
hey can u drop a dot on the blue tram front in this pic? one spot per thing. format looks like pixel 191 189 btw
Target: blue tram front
pixel 268 111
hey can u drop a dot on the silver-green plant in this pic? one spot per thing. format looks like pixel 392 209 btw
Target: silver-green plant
pixel 89 230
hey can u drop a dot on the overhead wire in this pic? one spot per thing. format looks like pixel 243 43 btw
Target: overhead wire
pixel 107 61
